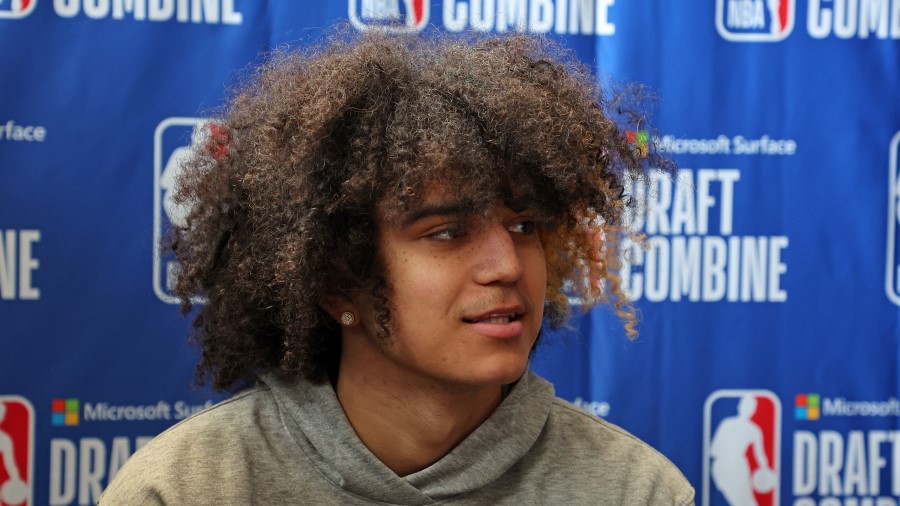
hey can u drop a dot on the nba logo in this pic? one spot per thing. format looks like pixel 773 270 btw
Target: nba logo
pixel 395 16
pixel 755 20
pixel 892 270
pixel 16 451
pixel 171 147
pixel 15 9
pixel 741 448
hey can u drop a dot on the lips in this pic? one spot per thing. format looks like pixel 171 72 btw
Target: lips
pixel 501 323
pixel 500 318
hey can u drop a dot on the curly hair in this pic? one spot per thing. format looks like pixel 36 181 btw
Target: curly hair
pixel 285 193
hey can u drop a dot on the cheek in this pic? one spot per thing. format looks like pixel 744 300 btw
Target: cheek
pixel 536 270
pixel 421 281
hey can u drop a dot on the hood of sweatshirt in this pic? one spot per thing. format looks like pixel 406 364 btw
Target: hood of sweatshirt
pixel 313 416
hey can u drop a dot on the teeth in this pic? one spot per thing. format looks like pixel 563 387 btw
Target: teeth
pixel 498 318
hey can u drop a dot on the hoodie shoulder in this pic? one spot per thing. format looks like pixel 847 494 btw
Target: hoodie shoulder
pixel 190 458
pixel 613 459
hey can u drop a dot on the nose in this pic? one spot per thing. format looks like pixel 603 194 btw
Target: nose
pixel 497 256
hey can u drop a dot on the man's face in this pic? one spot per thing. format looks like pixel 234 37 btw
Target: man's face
pixel 466 291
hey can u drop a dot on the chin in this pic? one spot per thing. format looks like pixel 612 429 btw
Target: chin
pixel 507 372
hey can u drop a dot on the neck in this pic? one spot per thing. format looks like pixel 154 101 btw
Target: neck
pixel 407 422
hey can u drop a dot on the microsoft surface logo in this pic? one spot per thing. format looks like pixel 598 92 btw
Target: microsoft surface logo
pixel 806 407
pixel 65 412
pixel 639 141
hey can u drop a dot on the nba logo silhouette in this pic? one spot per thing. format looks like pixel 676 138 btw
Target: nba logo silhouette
pixel 741 448
pixel 171 146
pixel 755 20
pixel 16 451
pixel 395 16
pixel 892 269
pixel 15 9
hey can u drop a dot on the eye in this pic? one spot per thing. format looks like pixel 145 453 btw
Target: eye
pixel 525 227
pixel 448 233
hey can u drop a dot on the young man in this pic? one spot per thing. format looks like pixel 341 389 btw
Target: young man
pixel 381 228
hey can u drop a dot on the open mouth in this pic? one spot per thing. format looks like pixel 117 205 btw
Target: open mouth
pixel 497 318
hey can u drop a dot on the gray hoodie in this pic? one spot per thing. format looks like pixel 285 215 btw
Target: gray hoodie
pixel 290 443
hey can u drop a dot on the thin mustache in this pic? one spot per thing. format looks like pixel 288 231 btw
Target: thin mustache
pixel 511 298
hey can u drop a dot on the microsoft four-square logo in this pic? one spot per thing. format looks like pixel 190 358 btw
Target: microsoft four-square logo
pixel 65 412
pixel 640 142
pixel 806 407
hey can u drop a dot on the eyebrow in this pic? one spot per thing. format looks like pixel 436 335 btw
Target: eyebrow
pixel 457 208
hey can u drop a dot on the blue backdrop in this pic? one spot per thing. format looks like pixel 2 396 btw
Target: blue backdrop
pixel 768 288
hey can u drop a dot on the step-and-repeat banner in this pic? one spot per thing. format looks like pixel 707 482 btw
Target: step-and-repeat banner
pixel 769 284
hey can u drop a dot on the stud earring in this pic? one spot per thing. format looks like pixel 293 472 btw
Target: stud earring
pixel 347 318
